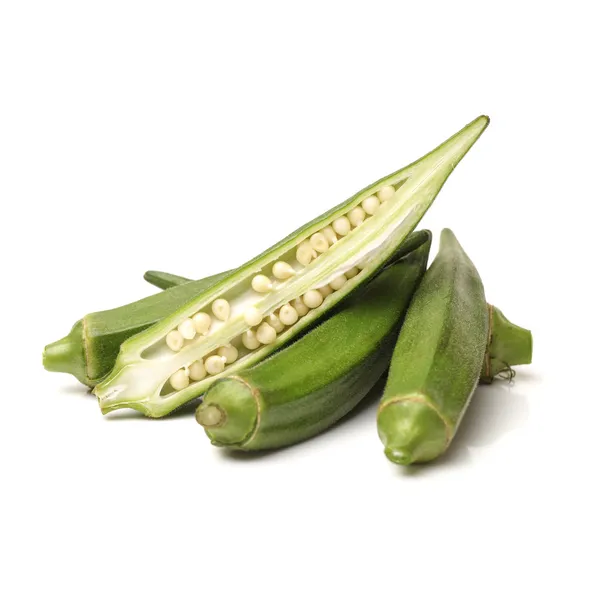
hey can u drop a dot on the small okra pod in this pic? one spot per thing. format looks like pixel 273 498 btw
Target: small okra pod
pixel 141 375
pixel 306 387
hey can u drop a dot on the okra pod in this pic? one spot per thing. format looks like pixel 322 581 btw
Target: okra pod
pixel 309 385
pixel 164 280
pixel 226 328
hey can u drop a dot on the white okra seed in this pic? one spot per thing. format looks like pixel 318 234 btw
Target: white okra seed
pixel 221 309
pixel 305 253
pixel 252 316
pixel 202 322
pixel 319 242
pixel 288 315
pixel 386 193
pixel 250 340
pixel 179 380
pixel 325 291
pixel 261 284
pixel 312 299
pixel 356 216
pixel 265 334
pixel 197 371
pixel 341 226
pixel 282 270
pixel 229 353
pixel 187 329
pixel 352 272
pixel 174 340
pixel 300 307
pixel 214 364
pixel 329 234
pixel 275 322
pixel 338 282
pixel 371 204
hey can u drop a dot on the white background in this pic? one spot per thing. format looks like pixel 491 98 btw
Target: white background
pixel 189 136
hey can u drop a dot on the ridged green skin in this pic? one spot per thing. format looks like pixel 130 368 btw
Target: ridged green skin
pixel 437 360
pixel 164 280
pixel 305 388
pixel 140 377
pixel 89 351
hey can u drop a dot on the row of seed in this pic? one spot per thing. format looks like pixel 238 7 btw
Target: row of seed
pixel 320 241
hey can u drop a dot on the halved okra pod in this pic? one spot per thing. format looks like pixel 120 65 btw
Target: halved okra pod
pixel 439 356
pixel 269 300
pixel 306 387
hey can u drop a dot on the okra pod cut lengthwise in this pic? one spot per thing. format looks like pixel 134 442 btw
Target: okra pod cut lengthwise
pixel 269 300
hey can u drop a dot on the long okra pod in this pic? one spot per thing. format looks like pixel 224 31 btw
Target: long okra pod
pixel 296 282
pixel 306 387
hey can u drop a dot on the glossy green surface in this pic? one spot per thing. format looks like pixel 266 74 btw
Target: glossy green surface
pixel 142 370
pixel 305 388
pixel 437 361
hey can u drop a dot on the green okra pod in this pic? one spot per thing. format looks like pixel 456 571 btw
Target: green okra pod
pixel 309 385
pixel 272 298
pixel 164 280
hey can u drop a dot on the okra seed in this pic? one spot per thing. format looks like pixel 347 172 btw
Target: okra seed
pixel 174 340
pixel 362 265
pixel 250 340
pixel 221 309
pixel 356 216
pixel 202 322
pixel 371 204
pixel 215 364
pixel 197 371
pixel 312 299
pixel 210 416
pixel 305 253
pixel 187 329
pixel 282 270
pixel 229 353
pixel 300 307
pixel 338 282
pixel 265 334
pixel 342 226
pixel 288 315
pixel 179 380
pixel 329 234
pixel 261 284
pixel 319 242
pixel 275 322
pixel 325 291
pixel 352 272
pixel 386 193
pixel 252 316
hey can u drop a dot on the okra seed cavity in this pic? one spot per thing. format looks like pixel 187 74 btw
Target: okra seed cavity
pixel 229 353
pixel 386 193
pixel 265 334
pixel 300 307
pixel 282 270
pixel 221 309
pixel 202 322
pixel 329 234
pixel 197 371
pixel 313 299
pixel 305 253
pixel 261 284
pixel 174 340
pixel 319 242
pixel 352 273
pixel 356 216
pixel 215 364
pixel 252 316
pixel 288 315
pixel 275 322
pixel 371 204
pixel 249 340
pixel 187 329
pixel 179 380
pixel 338 282
pixel 325 291
pixel 342 226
